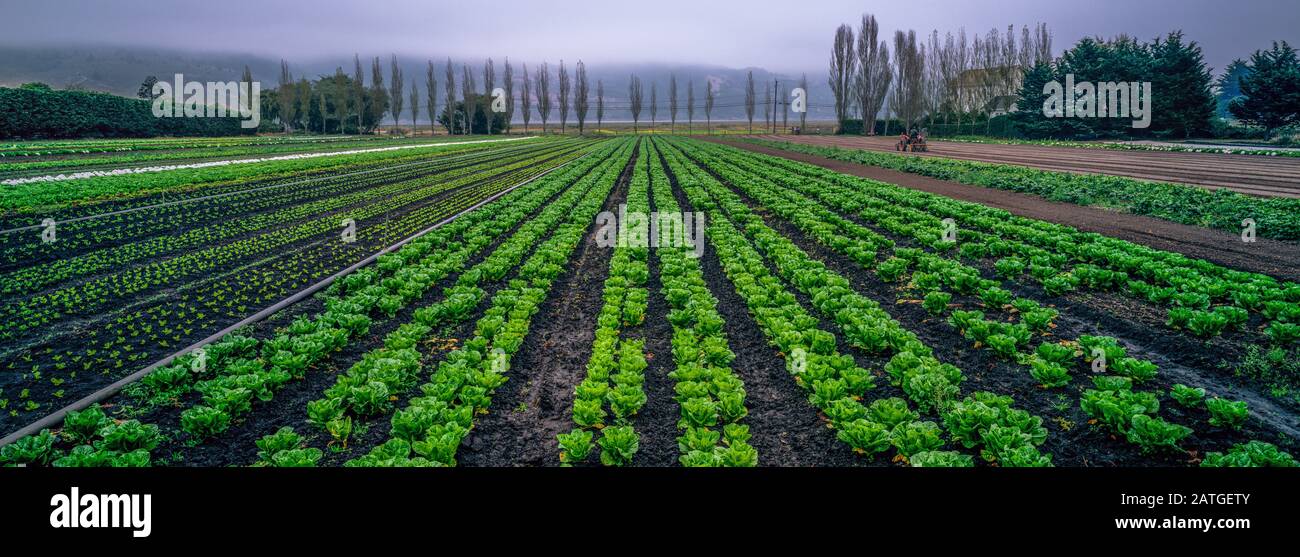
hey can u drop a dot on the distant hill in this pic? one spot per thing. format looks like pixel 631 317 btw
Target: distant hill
pixel 120 70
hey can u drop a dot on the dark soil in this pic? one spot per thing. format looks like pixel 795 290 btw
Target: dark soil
pixel 1249 174
pixel 1270 257
pixel 657 420
pixel 1071 441
pixel 100 206
pixel 174 219
pixel 1183 358
pixel 289 406
pixel 787 430
pixel 328 257
pixel 536 403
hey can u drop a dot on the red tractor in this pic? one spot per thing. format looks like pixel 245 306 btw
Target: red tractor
pixel 915 141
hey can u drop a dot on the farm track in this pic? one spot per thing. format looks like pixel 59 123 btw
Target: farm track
pixel 176 156
pixel 1077 445
pixel 1250 174
pixel 309 261
pixel 186 165
pixel 1270 257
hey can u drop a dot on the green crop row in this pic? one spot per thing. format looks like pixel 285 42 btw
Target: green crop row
pixel 1220 209
pixel 81 298
pixel 468 376
pixel 364 390
pixel 836 384
pixel 396 280
pixel 69 161
pixel 232 374
pixel 85 146
pixel 615 377
pixel 705 383
pixel 1101 263
pixel 1048 363
pixel 1262 150
pixel 31 279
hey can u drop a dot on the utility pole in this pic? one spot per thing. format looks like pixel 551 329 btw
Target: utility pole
pixel 776 84
pixel 785 113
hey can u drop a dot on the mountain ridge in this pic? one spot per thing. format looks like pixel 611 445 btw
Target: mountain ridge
pixel 120 70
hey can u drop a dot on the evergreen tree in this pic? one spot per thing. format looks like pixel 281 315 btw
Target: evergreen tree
pixel 1183 103
pixel 1271 92
pixel 1229 84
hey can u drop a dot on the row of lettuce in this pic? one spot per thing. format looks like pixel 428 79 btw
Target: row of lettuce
pixel 36 199
pixel 28 160
pixel 463 383
pixel 762 265
pixel 168 302
pixel 1221 209
pixel 113 242
pixel 1201 297
pixel 1261 150
pixel 836 386
pixel 708 393
pixel 220 385
pixel 937 274
pixel 613 390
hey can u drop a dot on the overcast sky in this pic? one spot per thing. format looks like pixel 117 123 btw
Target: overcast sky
pixel 785 35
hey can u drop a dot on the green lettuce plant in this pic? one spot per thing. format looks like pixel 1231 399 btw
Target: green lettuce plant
pixel 1252 454
pixel 914 437
pixel 204 421
pixel 1227 413
pixel 891 412
pixel 1154 434
pixel 618 444
pixel 1189 397
pixel 865 437
pixel 941 459
pixel 936 302
pixel 575 446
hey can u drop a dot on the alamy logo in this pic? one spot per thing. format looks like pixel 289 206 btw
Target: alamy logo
pixel 1111 99
pixel 499 100
pixel 661 229
pixel 102 511
pixel 798 100
pixel 215 99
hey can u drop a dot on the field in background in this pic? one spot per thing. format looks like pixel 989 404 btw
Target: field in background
pixel 829 319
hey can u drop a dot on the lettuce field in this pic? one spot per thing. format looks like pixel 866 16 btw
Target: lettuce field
pixel 619 301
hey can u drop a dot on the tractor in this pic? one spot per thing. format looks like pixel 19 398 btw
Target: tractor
pixel 914 141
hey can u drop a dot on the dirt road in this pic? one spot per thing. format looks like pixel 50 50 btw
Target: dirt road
pixel 1250 174
pixel 1270 257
